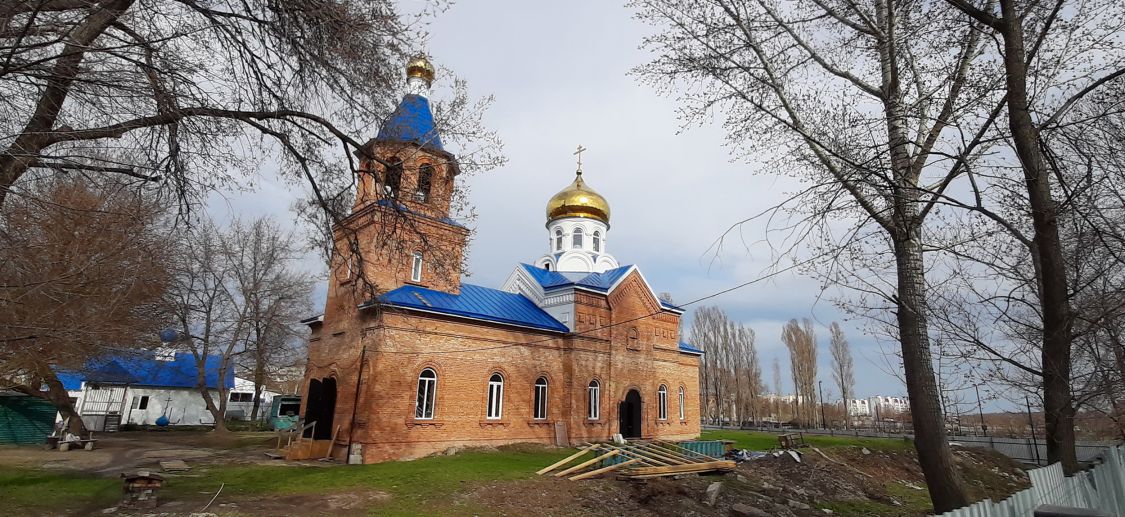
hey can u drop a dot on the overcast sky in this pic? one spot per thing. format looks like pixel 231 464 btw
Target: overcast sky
pixel 559 73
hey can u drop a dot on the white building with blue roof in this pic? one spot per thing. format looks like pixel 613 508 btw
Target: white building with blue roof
pixel 407 360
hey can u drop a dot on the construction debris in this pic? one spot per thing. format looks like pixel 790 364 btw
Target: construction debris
pixel 174 466
pixel 792 440
pixel 638 460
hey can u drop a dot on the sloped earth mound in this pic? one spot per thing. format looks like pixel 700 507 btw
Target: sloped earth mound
pixel 850 483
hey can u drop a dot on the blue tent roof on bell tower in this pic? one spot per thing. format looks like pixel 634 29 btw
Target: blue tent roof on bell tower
pixel 413 122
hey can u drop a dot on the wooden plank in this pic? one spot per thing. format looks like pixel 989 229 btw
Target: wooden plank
pixel 331 442
pixel 697 456
pixel 603 470
pixel 174 466
pixel 667 456
pixel 692 467
pixel 632 453
pixel 565 460
pixel 587 463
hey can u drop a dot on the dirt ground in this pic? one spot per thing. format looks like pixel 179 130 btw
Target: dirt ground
pixel 131 451
pixel 848 481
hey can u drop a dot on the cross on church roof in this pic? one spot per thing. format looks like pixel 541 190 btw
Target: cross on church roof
pixel 578 153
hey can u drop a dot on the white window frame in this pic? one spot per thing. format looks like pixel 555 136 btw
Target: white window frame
pixel 540 399
pixel 682 403
pixel 577 239
pixel 662 398
pixel 593 400
pixel 558 239
pixel 597 241
pixel 495 405
pixel 427 388
pixel 416 267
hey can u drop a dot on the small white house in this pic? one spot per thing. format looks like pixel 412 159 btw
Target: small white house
pixel 153 388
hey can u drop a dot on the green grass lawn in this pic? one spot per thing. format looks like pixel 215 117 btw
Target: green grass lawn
pixel 29 492
pixel 426 486
pixel 419 486
pixel 761 441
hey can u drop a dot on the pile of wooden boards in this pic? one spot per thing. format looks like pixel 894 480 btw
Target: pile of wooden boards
pixel 637 460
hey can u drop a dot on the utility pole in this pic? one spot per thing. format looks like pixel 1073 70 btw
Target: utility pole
pixel 983 426
pixel 1034 443
pixel 820 388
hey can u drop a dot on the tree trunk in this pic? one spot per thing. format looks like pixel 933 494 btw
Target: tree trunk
pixel 216 411
pixel 56 394
pixel 1058 405
pixel 259 371
pixel 947 491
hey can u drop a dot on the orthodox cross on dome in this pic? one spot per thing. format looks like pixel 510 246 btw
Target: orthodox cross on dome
pixel 578 153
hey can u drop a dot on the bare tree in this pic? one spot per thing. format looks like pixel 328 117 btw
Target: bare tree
pixel 261 257
pixel 233 288
pixel 1087 57
pixel 777 388
pixel 163 90
pixel 800 340
pixel 751 371
pixel 843 371
pixel 85 269
pixel 857 98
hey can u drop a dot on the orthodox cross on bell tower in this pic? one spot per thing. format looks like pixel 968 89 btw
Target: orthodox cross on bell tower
pixel 578 153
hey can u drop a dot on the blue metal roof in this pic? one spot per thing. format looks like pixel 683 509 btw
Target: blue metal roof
pixel 144 369
pixel 596 281
pixel 688 349
pixel 412 121
pixel 603 281
pixel 546 278
pixel 475 302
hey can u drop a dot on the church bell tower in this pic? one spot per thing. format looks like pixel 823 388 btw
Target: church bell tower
pixel 400 231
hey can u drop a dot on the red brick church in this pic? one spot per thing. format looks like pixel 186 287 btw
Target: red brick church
pixel 572 347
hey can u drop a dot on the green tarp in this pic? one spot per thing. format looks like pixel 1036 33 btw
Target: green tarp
pixel 25 419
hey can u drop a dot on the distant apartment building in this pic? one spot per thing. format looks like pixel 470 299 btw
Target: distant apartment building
pixel 886 405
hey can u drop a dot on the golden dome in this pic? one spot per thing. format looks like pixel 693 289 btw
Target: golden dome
pixel 578 200
pixel 419 66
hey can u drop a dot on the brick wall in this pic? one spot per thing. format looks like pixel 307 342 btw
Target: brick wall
pixel 400 344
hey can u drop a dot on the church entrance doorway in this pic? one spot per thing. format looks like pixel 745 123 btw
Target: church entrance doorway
pixel 629 415
pixel 321 408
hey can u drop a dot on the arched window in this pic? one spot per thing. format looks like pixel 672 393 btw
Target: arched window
pixel 558 239
pixel 416 267
pixel 681 402
pixel 632 339
pixel 540 398
pixel 427 393
pixel 576 238
pixel 495 396
pixel 598 242
pixel 425 179
pixel 662 400
pixel 393 179
pixel 593 400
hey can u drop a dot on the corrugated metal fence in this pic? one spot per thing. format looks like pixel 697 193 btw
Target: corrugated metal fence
pixel 1101 488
